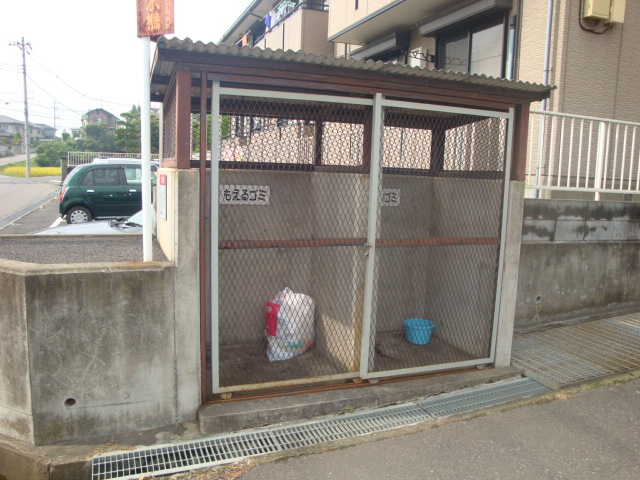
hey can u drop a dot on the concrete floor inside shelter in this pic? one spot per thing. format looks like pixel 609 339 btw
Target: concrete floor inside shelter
pixel 247 364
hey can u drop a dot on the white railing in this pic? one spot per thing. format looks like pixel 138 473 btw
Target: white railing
pixel 79 158
pixel 582 154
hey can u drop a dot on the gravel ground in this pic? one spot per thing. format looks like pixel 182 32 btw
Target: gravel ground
pixel 80 249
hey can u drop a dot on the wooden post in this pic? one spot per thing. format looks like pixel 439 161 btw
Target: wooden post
pixel 183 119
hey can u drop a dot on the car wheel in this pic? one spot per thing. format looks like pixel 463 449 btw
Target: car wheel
pixel 78 215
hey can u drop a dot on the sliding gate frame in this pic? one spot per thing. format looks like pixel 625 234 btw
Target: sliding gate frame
pixel 377 103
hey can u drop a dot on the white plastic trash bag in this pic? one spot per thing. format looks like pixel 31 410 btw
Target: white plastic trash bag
pixel 289 325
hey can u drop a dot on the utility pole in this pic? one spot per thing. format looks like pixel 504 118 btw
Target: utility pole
pixel 27 140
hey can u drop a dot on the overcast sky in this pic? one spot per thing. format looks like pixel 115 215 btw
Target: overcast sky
pixel 85 54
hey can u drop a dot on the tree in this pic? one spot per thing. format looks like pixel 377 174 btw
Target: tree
pixel 17 138
pixel 128 133
pixel 98 138
pixel 66 136
pixel 49 154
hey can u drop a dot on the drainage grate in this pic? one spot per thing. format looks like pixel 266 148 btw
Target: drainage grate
pixel 229 448
pixel 183 456
pixel 337 428
pixel 572 354
pixel 471 399
pixel 233 447
pixel 12 217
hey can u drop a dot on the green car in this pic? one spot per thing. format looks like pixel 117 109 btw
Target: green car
pixel 102 189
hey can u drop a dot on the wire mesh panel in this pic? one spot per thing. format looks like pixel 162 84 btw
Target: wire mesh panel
pixel 438 240
pixel 292 200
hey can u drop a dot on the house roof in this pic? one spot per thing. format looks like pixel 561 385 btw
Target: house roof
pixel 5 119
pixel 171 51
pixel 99 109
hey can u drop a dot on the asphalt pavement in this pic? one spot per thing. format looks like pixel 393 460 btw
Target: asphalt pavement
pixel 589 432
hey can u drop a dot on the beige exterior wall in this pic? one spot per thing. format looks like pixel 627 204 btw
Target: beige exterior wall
pixel 343 13
pixel 314 27
pixel 426 44
pixel 304 30
pixel 595 74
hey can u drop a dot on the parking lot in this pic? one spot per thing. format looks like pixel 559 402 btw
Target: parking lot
pixel 57 250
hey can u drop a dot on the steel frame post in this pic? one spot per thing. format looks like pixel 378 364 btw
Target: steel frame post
pixel 372 231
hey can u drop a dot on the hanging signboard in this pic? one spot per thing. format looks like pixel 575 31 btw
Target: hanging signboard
pixel 155 17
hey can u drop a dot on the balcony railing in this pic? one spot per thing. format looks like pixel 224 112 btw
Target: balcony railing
pixel 582 154
pixel 287 8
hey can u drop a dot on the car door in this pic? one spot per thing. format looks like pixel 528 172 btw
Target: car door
pixel 132 188
pixel 103 190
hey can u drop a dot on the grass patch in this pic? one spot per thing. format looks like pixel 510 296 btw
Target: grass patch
pixel 19 170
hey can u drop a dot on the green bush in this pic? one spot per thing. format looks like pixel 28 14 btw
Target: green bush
pixel 49 154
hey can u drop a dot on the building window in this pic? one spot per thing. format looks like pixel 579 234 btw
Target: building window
pixel 356 4
pixel 475 49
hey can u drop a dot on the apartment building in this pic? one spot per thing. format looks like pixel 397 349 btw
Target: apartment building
pixel 583 47
pixel 590 56
pixel 298 25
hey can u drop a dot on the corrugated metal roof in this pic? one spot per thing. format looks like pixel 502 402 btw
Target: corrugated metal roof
pixel 187 45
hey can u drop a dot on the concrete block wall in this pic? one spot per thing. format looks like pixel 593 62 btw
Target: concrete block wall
pixel 579 259
pixel 580 220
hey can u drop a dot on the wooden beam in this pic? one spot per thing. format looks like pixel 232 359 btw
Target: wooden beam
pixel 183 118
pixel 520 138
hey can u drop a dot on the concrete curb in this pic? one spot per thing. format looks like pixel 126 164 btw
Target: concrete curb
pixel 223 417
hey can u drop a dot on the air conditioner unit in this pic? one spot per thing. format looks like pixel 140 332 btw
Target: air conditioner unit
pixel 617 11
pixel 608 11
pixel 597 9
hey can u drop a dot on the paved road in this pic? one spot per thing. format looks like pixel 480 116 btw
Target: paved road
pixel 16 193
pixel 15 158
pixel 593 434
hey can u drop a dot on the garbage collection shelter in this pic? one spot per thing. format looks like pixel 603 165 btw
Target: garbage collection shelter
pixel 382 192
pixel 376 193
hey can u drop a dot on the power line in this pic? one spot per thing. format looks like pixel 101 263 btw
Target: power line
pixel 67 107
pixel 75 89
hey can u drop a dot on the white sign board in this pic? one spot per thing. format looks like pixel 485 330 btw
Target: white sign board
pixel 390 197
pixel 244 195
pixel 162 196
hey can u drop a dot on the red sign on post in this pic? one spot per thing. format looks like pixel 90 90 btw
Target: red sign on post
pixel 155 17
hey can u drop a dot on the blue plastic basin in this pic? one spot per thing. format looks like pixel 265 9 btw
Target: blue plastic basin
pixel 418 330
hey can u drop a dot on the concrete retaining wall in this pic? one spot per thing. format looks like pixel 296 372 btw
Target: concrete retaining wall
pixel 87 350
pixel 579 259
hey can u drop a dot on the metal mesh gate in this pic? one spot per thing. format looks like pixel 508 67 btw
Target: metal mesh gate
pixel 295 212
pixel 438 237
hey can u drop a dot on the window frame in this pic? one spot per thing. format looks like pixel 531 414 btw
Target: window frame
pixel 470 29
